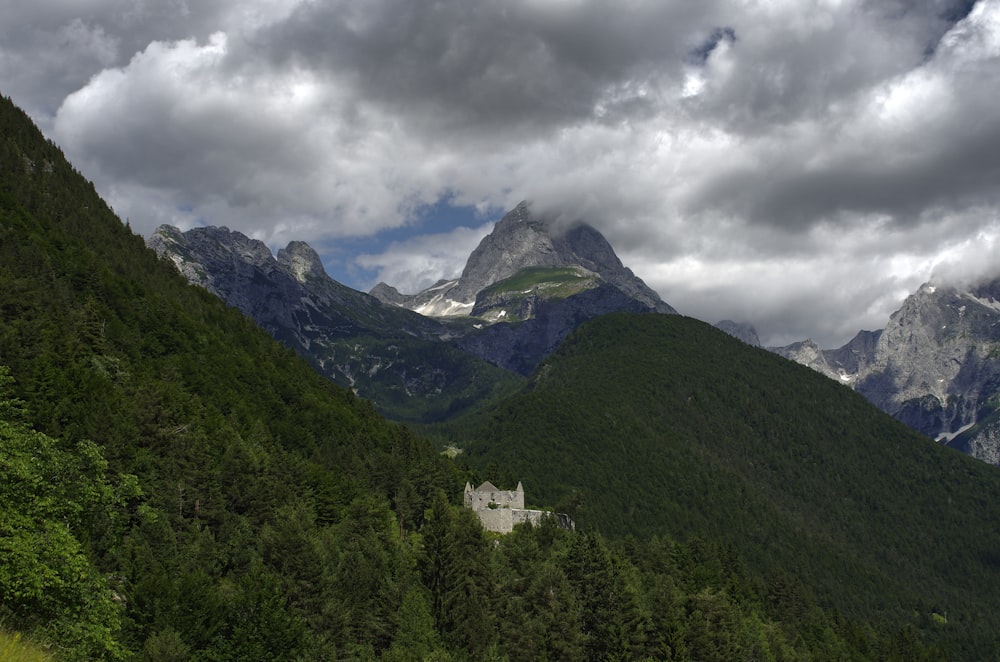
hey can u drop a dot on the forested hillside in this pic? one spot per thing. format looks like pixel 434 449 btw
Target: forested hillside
pixel 176 485
pixel 645 424
pixel 200 466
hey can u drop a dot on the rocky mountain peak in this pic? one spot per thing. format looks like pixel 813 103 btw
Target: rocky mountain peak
pixel 218 259
pixel 518 241
pixel 387 294
pixel 219 242
pixel 522 240
pixel 301 261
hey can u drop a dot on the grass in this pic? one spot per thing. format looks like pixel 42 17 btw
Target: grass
pixel 532 277
pixel 532 282
pixel 14 647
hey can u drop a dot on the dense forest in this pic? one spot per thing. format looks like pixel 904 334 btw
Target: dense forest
pixel 644 424
pixel 176 485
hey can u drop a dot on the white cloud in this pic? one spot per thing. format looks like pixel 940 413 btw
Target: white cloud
pixel 794 164
pixel 242 146
pixel 418 263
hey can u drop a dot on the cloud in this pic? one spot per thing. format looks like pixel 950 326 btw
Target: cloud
pixel 277 153
pixel 522 68
pixel 418 263
pixel 970 259
pixel 718 145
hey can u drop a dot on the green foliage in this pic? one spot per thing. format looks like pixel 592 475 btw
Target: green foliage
pixel 454 568
pixel 416 638
pixel 662 425
pixel 234 505
pixel 426 381
pixel 514 299
pixel 50 498
pixel 560 595
pixel 263 523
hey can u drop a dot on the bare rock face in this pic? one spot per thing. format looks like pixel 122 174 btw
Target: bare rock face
pixel 937 363
pixel 224 263
pixel 855 357
pixel 388 294
pixel 807 353
pixel 935 366
pixel 301 261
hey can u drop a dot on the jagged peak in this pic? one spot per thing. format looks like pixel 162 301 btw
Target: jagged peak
pixel 302 261
pixel 168 231
pixel 388 294
pixel 521 213
pixel 233 241
pixel 383 288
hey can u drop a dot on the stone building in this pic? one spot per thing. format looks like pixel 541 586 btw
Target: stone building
pixel 500 510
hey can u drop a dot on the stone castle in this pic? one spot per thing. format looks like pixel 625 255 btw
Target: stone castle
pixel 500 510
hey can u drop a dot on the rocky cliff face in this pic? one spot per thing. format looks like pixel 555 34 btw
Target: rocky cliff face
pixel 520 241
pixel 935 366
pixel 937 363
pixel 291 296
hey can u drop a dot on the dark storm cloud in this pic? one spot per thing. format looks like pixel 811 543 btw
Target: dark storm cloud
pixel 480 66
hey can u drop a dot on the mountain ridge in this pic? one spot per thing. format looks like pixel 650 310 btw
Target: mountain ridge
pixel 935 366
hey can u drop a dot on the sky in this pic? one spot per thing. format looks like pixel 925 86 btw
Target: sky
pixel 800 165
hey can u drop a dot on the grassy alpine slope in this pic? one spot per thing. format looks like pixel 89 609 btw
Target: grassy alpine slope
pixel 640 425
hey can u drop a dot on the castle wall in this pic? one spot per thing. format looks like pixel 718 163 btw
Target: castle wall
pixel 500 520
pixel 501 510
pixel 534 516
pixel 477 499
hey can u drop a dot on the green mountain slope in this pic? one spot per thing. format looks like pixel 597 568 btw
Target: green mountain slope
pixel 234 469
pixel 648 425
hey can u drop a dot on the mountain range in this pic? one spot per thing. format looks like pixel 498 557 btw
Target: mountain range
pixel 458 344
pixel 527 285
